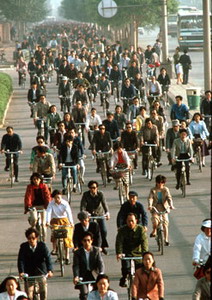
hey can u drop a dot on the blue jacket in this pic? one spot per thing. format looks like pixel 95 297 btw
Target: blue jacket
pixel 199 128
pixel 179 112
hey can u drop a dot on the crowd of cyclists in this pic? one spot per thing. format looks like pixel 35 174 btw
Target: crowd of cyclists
pixel 89 73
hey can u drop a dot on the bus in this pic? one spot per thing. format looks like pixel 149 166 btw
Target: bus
pixel 190 29
pixel 172 24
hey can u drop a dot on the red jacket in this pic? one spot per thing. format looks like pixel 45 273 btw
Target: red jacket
pixel 29 196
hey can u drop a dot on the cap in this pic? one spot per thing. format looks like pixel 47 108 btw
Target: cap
pixel 83 215
pixel 133 193
pixel 175 123
pixel 206 223
pixel 64 78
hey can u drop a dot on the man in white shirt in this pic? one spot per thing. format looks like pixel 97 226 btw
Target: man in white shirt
pixel 92 123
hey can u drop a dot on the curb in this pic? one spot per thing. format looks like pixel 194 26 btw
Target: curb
pixel 6 109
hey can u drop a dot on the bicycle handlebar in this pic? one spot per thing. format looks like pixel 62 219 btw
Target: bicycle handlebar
pixel 98 217
pixel 27 277
pixel 80 282
pixel 181 160
pixel 68 167
pixel 160 212
pixel 131 257
pixel 149 145
pixel 12 152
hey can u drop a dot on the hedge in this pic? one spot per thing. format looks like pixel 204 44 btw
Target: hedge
pixel 6 89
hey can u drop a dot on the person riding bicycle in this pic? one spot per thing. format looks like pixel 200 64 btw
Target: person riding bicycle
pixel 34 259
pixel 89 75
pixel 164 80
pixel 111 125
pixel 172 134
pixel 80 94
pixel 21 68
pixel 148 282
pixel 11 141
pixel 160 198
pixel 134 109
pixel 149 135
pixel 10 288
pixel 40 142
pixel 44 163
pixel 40 112
pixel 115 77
pixel 33 96
pixel 93 121
pixel 37 196
pixel 52 119
pixel 120 117
pixel 69 155
pixel 179 110
pixel 158 121
pixel 104 86
pixel 59 213
pixel 153 89
pixel 79 114
pixel 199 131
pixel 132 206
pixel 64 91
pixel 86 225
pixel 131 240
pixel 94 202
pixel 182 149
pixel 128 91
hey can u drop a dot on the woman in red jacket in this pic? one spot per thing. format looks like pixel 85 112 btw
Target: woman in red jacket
pixel 37 196
pixel 148 282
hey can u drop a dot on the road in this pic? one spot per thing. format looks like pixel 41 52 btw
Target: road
pixel 196 75
pixel 184 221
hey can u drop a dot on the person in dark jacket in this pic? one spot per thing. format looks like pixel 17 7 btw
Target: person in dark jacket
pixel 12 142
pixel 69 155
pixel 33 95
pixel 171 135
pixel 185 61
pixel 111 125
pixel 86 225
pixel 34 259
pixel 132 206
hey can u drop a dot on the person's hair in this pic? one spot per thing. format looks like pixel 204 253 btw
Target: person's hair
pixel 37 175
pixel 69 138
pixel 127 78
pixel 53 105
pixel 160 179
pixel 183 130
pixel 203 227
pixel 118 106
pixel 141 108
pixel 118 145
pixel 22 297
pixel 42 149
pixel 4 282
pixel 30 231
pixel 150 253
pixel 55 193
pixel 180 97
pixel 91 182
pixel 208 91
pixel 60 122
pixel 184 122
pixel 148 120
pixel 93 108
pixel 185 50
pixel 197 114
pixel 9 127
pixel 132 214
pixel 87 233
pixel 100 277
pixel 40 137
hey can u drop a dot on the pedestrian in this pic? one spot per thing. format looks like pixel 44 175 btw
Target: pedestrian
pixel 179 72
pixel 185 61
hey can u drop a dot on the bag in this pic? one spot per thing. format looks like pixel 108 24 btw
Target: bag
pixel 199 272
pixel 157 64
pixel 60 233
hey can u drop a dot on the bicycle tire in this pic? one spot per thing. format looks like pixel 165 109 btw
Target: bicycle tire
pixel 104 108
pixel 69 191
pixel 199 159
pixel 104 174
pixel 161 241
pixel 183 184
pixel 131 177
pixel 150 169
pixel 157 240
pixel 121 193
pixel 61 259
pixel 11 175
pixel 129 287
pixel 79 183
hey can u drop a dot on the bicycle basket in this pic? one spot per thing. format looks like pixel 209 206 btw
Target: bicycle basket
pixel 118 175
pixel 60 233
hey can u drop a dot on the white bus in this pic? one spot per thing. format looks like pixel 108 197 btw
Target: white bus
pixel 172 24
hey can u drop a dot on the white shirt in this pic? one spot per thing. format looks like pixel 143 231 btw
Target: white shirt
pixel 5 295
pixel 202 248
pixel 92 121
pixel 59 211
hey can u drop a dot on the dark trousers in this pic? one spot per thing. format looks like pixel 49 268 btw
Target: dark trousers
pixel 103 230
pixel 125 267
pixel 179 167
pixel 15 163
pixel 84 287
pixel 185 75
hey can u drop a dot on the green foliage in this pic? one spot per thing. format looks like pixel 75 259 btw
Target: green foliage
pixel 145 12
pixel 24 10
pixel 6 90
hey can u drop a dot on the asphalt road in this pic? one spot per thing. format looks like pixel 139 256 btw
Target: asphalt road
pixel 184 221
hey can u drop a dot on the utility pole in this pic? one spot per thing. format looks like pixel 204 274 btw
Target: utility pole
pixel 207 44
pixel 164 32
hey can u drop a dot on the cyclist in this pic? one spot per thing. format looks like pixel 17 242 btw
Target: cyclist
pixel 37 196
pixel 182 149
pixel 104 86
pixel 135 207
pixel 131 240
pixel 11 141
pixel 158 121
pixel 101 142
pixel 161 199
pixel 179 110
pixel 120 118
pixel 89 75
pixel 128 91
pixel 149 135
pixel 59 135
pixel 34 259
pixel 111 125
pixel 164 80
pixel 59 213
pixel 184 125
pixel 64 91
pixel 40 142
pixel 172 134
pixel 199 130
pixel 93 121
pixel 81 80
pixel 130 142
pixel 141 117
pixel 79 114
pixel 52 119
pixel 115 77
pixel 33 96
pixel 44 163
pixel 87 259
pixel 206 108
pixel 94 202
pixel 80 94
pixel 102 289
pixel 202 244
pixel 57 64
pixel 134 109
pixel 41 111
pixel 68 121
pixel 69 155
pixel 202 289
pixel 140 85
pixel 153 89
pixel 86 225
pixel 21 68
pixel 148 281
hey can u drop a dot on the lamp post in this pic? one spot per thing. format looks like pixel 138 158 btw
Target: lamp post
pixel 207 45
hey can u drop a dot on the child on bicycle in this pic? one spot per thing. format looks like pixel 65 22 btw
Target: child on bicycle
pixel 161 199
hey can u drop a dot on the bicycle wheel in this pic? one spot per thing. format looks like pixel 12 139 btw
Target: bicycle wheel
pixel 183 184
pixel 131 177
pixel 61 258
pixel 104 174
pixel 11 174
pixel 199 159
pixel 79 183
pixel 161 241
pixel 104 108
pixel 129 287
pixel 69 190
pixel 121 192
pixel 150 169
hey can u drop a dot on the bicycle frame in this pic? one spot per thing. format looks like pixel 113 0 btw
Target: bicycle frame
pixel 102 157
pixel 35 281
pixel 183 175
pixel 105 98
pixel 69 180
pixel 11 173
pixel 151 161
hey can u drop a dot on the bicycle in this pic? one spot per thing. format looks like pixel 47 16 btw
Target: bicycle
pixel 35 281
pixel 22 73
pixel 102 157
pixel 69 181
pixel 120 176
pixel 60 232
pixel 11 167
pixel 65 103
pixel 41 126
pixel 39 225
pixel 164 97
pixel 131 275
pixel 48 181
pixel 79 180
pixel 126 105
pixel 131 155
pixel 198 151
pixel 116 88
pixel 105 101
pixel 183 175
pixel 2 56
pixel 89 283
pixel 160 231
pixel 79 130
pixel 150 161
